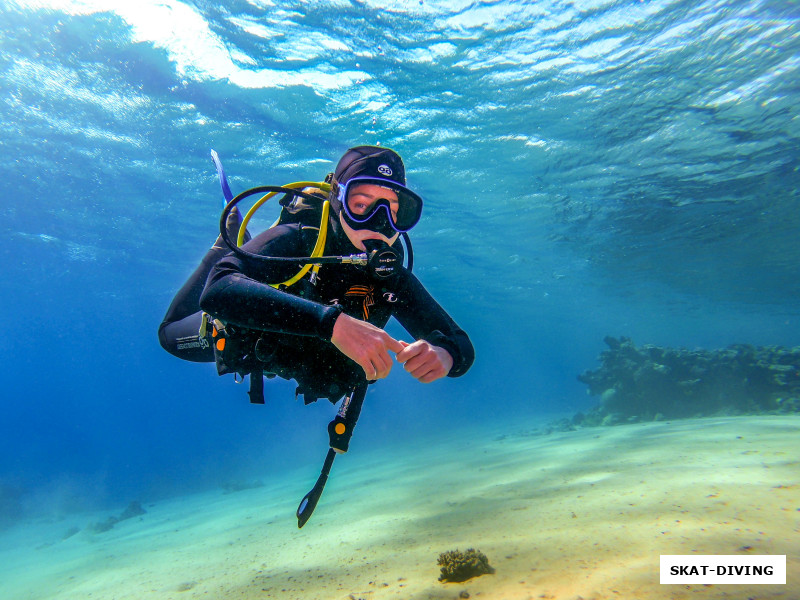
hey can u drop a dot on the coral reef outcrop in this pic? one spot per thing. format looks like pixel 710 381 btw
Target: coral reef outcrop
pixel 645 383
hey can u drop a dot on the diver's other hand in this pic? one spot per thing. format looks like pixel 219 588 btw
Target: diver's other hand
pixel 366 344
pixel 425 361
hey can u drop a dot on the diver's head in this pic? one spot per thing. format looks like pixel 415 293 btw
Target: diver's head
pixel 369 195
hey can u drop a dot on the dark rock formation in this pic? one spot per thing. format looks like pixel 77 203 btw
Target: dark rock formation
pixel 651 382
pixel 134 509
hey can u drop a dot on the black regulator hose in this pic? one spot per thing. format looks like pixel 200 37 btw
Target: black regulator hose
pixel 238 251
pixel 381 259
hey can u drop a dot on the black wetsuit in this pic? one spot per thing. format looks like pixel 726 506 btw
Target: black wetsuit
pixel 292 328
pixel 178 332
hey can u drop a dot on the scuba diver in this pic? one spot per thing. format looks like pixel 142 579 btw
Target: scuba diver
pixel 308 298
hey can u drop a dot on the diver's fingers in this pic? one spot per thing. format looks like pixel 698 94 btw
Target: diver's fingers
pixel 382 364
pixel 421 367
pixel 365 344
pixel 393 344
pixel 376 365
pixel 409 351
pixel 426 362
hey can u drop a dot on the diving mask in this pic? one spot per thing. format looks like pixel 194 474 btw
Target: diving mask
pixel 379 205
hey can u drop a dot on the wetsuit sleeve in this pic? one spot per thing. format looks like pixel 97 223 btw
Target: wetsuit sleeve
pixel 235 293
pixel 425 319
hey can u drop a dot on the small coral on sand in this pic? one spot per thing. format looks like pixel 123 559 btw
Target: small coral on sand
pixel 460 566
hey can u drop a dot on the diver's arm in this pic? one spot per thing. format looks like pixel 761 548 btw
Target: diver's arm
pixel 425 319
pixel 235 298
pixel 234 295
pixel 365 344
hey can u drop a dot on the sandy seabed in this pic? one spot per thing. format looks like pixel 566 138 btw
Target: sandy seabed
pixel 583 514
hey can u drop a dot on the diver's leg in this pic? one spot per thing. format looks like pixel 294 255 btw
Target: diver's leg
pixel 182 339
pixel 178 333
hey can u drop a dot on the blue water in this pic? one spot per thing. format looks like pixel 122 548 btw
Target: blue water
pixel 590 168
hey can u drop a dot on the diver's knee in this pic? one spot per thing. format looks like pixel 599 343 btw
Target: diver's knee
pixel 162 338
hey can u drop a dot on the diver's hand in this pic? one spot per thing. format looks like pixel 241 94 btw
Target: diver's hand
pixel 425 361
pixel 365 344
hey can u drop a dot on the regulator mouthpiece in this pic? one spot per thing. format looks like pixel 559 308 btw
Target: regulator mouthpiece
pixel 383 261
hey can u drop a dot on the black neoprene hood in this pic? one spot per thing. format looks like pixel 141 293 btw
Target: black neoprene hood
pixel 370 161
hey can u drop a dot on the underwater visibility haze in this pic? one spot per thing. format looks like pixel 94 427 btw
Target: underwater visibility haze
pixel 590 168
